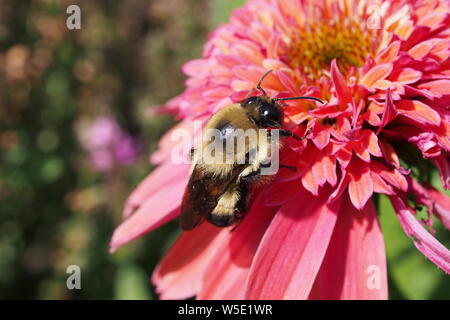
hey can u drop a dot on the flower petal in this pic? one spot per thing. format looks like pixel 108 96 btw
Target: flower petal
pixel 388 54
pixel 355 263
pixel 418 111
pixel 160 208
pixel 407 76
pixel 342 90
pixel 279 193
pixel 225 275
pixel 423 240
pixel 389 111
pixel 292 249
pixel 441 205
pixel 360 186
pixel 157 179
pixel 437 87
pixel 180 274
pixel 379 72
pixel 443 165
pixel 420 50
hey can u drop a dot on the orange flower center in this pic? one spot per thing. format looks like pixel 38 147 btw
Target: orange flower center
pixel 315 46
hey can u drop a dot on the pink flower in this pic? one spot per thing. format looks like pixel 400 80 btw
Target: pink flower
pixel 384 68
pixel 107 144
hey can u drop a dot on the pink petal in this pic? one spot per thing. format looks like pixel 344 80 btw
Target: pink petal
pixel 180 273
pixel 309 182
pixel 157 179
pixel 443 165
pixel 423 240
pixel 279 193
pixel 372 143
pixel 389 154
pixel 389 53
pixel 389 111
pixel 194 67
pixel 337 193
pixel 441 87
pixel 418 111
pixel 321 136
pixel 325 170
pixel 379 185
pixel 287 81
pixel 342 90
pixel 225 275
pixel 379 72
pixel 292 249
pixel 392 176
pixel 420 50
pixel 355 263
pixel 408 75
pixel 158 209
pixel 441 205
pixel 360 186
pixel 433 19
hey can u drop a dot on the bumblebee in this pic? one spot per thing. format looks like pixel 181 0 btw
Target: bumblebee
pixel 221 181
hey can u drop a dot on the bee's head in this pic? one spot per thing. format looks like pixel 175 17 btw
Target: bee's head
pixel 264 111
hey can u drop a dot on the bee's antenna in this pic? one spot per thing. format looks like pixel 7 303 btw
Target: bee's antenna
pixel 299 98
pixel 260 80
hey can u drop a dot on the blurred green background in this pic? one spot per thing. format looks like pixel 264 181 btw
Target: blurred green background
pixel 57 208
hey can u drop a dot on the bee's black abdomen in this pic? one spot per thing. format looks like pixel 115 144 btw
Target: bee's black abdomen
pixel 221 220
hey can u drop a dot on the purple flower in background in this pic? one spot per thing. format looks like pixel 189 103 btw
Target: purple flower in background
pixel 107 144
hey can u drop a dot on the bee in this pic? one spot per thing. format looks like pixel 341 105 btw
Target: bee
pixel 220 191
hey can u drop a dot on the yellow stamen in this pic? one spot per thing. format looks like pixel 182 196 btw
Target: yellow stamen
pixel 314 47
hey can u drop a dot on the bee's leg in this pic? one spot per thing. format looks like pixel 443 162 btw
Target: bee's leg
pixel 255 173
pixel 252 175
pixel 241 206
pixel 287 133
pixel 192 153
pixel 288 167
pixel 266 165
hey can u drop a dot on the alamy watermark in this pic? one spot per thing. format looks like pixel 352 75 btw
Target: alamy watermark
pixel 74 280
pixel 73 21
pixel 227 146
pixel 374 277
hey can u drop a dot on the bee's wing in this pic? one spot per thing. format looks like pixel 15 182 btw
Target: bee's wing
pixel 202 194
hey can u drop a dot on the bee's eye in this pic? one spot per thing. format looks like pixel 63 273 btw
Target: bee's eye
pixel 270 115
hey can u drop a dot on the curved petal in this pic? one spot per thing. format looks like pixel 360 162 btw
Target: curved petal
pixel 360 187
pixel 419 112
pixel 161 176
pixel 225 276
pixel 441 205
pixel 292 249
pixel 389 111
pixel 160 208
pixel 180 274
pixel 355 263
pixel 443 165
pixel 342 90
pixel 423 240
pixel 378 72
